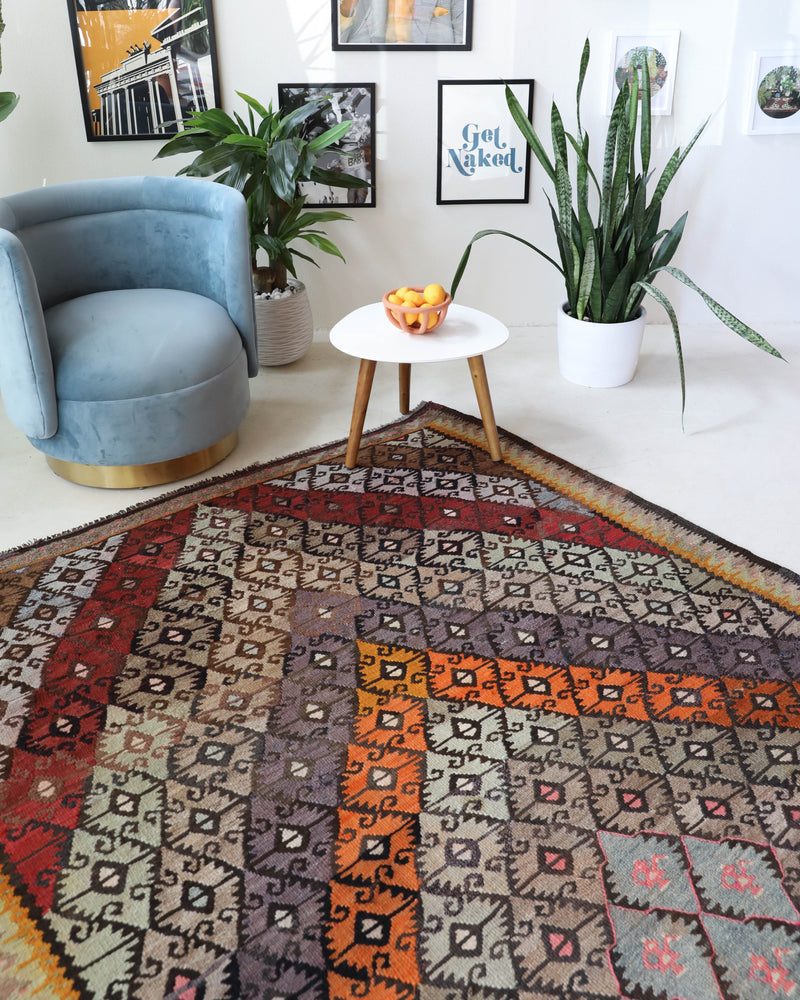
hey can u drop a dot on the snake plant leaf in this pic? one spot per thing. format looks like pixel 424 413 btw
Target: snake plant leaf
pixel 585 167
pixel 558 135
pixel 492 232
pixel 8 101
pixel 669 244
pixel 731 321
pixel 587 279
pixel 565 253
pixel 662 299
pixel 674 163
pixel 646 127
pixel 581 77
pixel 526 128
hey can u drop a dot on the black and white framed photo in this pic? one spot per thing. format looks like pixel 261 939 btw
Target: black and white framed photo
pixel 774 99
pixel 401 24
pixel 143 67
pixel 482 156
pixel 354 154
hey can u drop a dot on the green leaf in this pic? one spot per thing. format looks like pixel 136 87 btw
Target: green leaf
pixel 215 121
pixel 254 105
pixel 330 137
pixel 187 141
pixel 617 295
pixel 337 178
pixel 8 101
pixel 731 321
pixel 674 164
pixel 529 133
pixel 479 236
pixel 669 244
pixel 646 126
pixel 587 279
pixel 322 243
pixel 581 77
pixel 662 299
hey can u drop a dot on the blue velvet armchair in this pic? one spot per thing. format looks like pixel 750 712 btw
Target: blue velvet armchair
pixel 127 330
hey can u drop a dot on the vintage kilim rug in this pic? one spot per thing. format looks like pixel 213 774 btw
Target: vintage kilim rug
pixel 435 727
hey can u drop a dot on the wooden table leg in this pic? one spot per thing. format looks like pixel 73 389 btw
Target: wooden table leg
pixel 478 369
pixel 405 387
pixel 363 389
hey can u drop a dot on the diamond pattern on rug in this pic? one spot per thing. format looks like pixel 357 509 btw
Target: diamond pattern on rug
pixel 429 728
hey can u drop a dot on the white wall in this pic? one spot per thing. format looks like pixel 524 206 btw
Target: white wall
pixel 741 191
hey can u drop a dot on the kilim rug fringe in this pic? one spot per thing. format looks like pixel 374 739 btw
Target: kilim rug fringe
pixel 433 728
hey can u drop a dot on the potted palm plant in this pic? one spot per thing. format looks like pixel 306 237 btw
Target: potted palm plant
pixel 266 158
pixel 610 242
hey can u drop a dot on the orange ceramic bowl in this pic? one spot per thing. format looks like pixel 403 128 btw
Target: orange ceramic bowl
pixel 426 318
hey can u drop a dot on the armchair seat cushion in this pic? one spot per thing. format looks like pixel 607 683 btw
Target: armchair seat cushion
pixel 138 342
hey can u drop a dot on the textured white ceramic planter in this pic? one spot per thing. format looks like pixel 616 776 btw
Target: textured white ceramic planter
pixel 285 327
pixel 600 355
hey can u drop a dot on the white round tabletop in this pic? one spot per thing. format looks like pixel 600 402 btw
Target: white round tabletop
pixel 367 333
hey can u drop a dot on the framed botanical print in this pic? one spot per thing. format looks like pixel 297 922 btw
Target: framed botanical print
pixel 354 154
pixel 481 154
pixel 143 65
pixel 774 101
pixel 658 50
pixel 401 24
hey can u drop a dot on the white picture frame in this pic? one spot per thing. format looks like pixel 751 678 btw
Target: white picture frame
pixel 662 46
pixel 770 112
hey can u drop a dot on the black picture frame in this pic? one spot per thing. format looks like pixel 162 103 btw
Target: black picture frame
pixel 141 72
pixel 369 27
pixel 355 154
pixel 482 157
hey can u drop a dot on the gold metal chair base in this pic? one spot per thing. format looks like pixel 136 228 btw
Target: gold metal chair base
pixel 125 477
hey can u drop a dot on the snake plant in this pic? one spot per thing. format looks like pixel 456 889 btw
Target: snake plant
pixel 609 259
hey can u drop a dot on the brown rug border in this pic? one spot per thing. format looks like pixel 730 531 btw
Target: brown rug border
pixel 684 539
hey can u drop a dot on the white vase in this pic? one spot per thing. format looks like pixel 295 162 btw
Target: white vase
pixel 600 355
pixel 285 327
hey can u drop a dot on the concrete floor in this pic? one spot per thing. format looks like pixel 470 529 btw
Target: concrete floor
pixel 734 470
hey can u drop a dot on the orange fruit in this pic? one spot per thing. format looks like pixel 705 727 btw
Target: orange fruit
pixel 434 294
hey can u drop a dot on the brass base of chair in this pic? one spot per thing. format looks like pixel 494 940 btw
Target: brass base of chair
pixel 124 477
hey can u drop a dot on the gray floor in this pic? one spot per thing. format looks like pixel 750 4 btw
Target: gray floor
pixel 734 470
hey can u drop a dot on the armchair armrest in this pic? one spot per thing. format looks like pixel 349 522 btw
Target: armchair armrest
pixel 27 383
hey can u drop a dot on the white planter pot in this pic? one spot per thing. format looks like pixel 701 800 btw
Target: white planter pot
pixel 600 355
pixel 285 327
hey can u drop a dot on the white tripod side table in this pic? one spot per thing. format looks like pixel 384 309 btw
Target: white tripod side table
pixel 367 334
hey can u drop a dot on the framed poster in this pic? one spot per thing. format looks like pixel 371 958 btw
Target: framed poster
pixel 659 49
pixel 482 155
pixel 143 65
pixel 774 98
pixel 401 24
pixel 354 154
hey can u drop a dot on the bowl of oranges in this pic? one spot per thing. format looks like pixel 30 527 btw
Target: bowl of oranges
pixel 417 310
